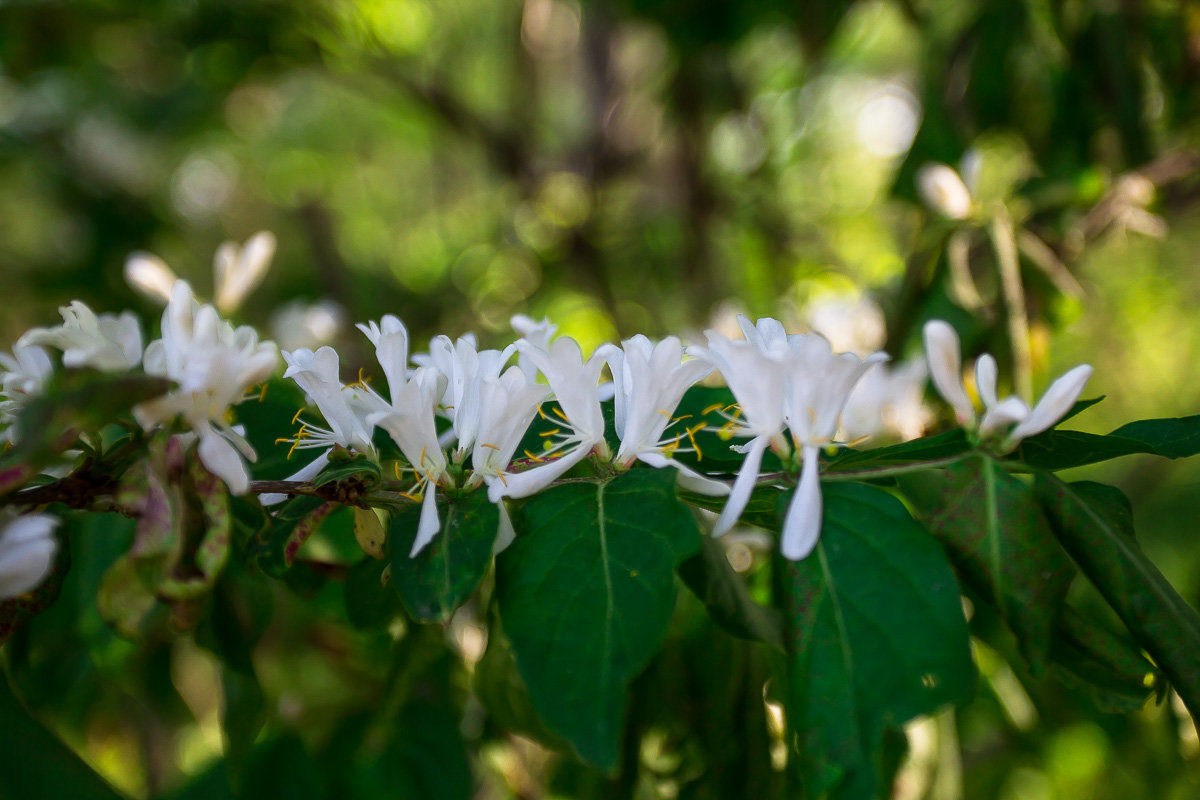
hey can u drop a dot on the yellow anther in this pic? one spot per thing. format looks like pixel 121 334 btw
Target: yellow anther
pixel 560 413
pixel 296 416
pixel 711 409
pixel 396 469
pixel 262 393
pixel 416 498
pixel 664 413
pixel 682 418
pixel 691 434
pixel 550 432
pixel 500 475
pixel 541 413
pixel 282 439
pixel 492 446
pixel 533 457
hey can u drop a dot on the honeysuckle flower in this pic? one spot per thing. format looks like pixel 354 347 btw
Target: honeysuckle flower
pixel 1010 418
pixel 318 374
pixel 580 420
pixel 649 381
pixel 298 325
pixel 410 422
pixel 108 342
pixel 887 401
pixel 465 368
pixel 944 191
pixel 780 379
pixel 213 365
pixel 237 270
pixel 27 548
pixel 756 372
pixel 818 387
pixel 23 374
pixel 535 334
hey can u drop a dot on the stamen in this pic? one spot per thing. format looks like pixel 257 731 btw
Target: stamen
pixel 548 433
pixel 534 458
pixel 561 414
pixel 691 434
pixel 296 416
pixel 710 409
pixel 485 444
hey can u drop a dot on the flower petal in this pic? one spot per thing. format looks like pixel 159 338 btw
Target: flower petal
pixel 532 481
pixel 429 524
pixel 688 478
pixel 802 526
pixel 223 460
pixel 505 534
pixel 1055 403
pixel 944 353
pixel 305 473
pixel 743 486
pixel 985 379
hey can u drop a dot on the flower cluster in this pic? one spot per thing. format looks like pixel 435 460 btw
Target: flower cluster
pixel 458 414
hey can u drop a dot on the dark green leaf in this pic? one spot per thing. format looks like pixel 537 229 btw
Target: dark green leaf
pixel 436 581
pixel 499 686
pixel 354 471
pixel 944 445
pixel 1106 666
pixel 709 575
pixel 34 763
pixel 1095 524
pixel 369 603
pixel 876 636
pixel 268 422
pixel 428 756
pixel 1001 544
pixel 585 594
pixel 1169 438
pixel 1056 449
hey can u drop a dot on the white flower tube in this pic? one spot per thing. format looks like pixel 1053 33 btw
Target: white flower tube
pixel 108 342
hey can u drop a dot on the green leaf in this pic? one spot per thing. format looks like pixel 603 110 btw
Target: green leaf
pixel 428 756
pixel 585 594
pixel 1169 438
pixel 875 635
pixel 1002 546
pixel 1105 666
pixel 34 763
pixel 369 603
pixel 712 579
pixel 357 472
pixel 944 445
pixel 498 685
pixel 436 581
pixel 1094 522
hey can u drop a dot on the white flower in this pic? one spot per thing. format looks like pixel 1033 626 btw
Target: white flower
pixel 818 387
pixel 580 420
pixel 409 417
pixel 887 401
pixel 23 375
pixel 756 371
pixel 298 325
pixel 1011 416
pixel 535 334
pixel 213 365
pixel 318 374
pixel 781 379
pixel 27 548
pixel 649 381
pixel 106 342
pixel 465 369
pixel 944 191
pixel 410 422
pixel 237 270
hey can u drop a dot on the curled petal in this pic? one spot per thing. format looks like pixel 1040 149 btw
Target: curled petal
pixel 802 527
pixel 1008 411
pixel 429 524
pixel 222 459
pixel 743 486
pixel 944 353
pixel 1055 403
pixel 532 481
pixel 505 534
pixel 688 478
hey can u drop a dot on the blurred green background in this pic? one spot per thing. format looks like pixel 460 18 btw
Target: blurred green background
pixel 625 166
